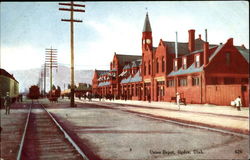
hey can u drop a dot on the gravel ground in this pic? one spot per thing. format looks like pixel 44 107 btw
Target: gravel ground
pixel 114 134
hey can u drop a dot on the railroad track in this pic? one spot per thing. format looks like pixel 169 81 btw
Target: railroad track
pixel 44 138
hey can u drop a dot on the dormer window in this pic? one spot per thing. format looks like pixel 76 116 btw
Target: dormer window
pixel 197 61
pixel 184 64
pixel 175 65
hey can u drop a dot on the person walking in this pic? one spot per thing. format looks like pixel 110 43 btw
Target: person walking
pixel 238 103
pixel 178 97
pixel 149 98
pixel 7 102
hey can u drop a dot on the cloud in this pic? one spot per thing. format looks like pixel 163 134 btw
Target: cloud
pixel 22 57
pixel 113 35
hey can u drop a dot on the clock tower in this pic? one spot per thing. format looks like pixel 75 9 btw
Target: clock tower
pixel 147 39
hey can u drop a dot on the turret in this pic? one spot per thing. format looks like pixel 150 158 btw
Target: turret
pixel 147 39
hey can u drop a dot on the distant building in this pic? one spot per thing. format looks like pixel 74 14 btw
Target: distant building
pixel 199 71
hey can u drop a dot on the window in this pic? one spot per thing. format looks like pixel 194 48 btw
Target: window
pixel 149 68
pixel 175 65
pixel 197 61
pixel 145 69
pixel 228 58
pixel 183 82
pixel 214 80
pixel 228 80
pixel 132 91
pixel 244 80
pixel 157 66
pixel 184 63
pixel 170 83
pixel 195 81
pixel 163 65
pixel 160 82
pixel 160 91
pixel 136 90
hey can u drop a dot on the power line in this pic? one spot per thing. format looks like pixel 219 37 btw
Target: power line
pixel 72 20
pixel 50 61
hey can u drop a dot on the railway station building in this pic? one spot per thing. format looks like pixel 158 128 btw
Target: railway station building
pixel 201 72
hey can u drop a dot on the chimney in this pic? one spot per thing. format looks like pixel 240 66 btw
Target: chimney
pixel 176 45
pixel 191 42
pixel 205 51
pixel 243 46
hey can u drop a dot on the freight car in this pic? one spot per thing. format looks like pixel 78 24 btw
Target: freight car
pixel 8 84
pixel 54 95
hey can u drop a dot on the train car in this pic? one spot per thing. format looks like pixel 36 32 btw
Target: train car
pixel 8 84
pixel 54 95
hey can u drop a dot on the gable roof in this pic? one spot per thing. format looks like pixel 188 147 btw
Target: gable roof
pixel 7 74
pixel 101 72
pixel 201 50
pixel 216 51
pixel 244 52
pixel 182 47
pixel 136 63
pixel 127 58
pixel 191 69
pixel 137 77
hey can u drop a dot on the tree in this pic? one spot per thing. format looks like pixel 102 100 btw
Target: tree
pixel 59 88
pixel 53 87
pixel 58 91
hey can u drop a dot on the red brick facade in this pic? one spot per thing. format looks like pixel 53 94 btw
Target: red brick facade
pixel 201 72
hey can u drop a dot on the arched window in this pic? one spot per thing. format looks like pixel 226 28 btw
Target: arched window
pixel 145 68
pixel 163 65
pixel 149 68
pixel 157 65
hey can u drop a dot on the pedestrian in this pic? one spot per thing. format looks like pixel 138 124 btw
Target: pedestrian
pixel 149 98
pixel 238 103
pixel 7 102
pixel 21 97
pixel 178 97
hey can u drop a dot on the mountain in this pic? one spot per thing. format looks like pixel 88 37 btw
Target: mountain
pixel 60 77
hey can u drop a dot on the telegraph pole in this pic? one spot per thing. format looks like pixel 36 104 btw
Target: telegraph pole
pixel 51 61
pixel 72 20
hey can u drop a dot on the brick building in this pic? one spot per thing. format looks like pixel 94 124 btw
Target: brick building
pixel 199 71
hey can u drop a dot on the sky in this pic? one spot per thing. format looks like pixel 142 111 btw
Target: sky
pixel 27 28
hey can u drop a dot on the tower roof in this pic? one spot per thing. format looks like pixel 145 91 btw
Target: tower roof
pixel 146 27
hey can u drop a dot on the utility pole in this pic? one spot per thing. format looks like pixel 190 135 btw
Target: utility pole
pixel 72 20
pixel 51 61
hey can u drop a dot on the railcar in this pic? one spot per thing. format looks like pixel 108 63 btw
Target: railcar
pixel 8 84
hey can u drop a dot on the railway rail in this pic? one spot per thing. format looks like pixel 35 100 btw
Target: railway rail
pixel 45 138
